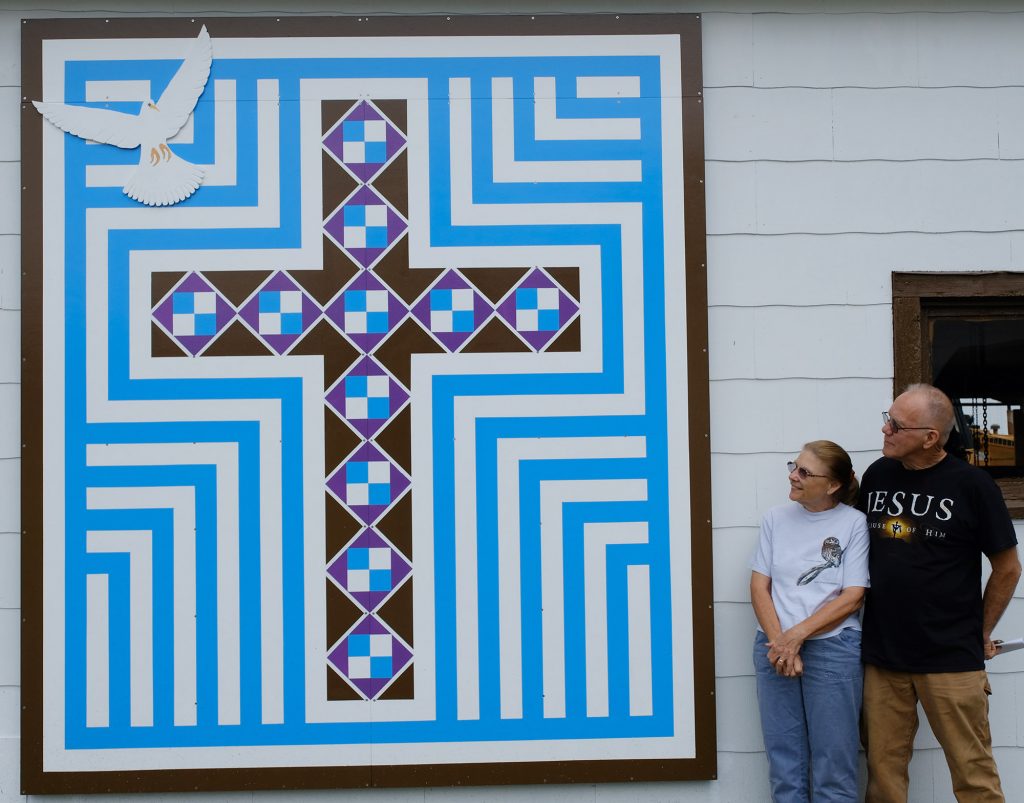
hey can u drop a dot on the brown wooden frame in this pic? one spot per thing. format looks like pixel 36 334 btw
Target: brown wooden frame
pixel 703 766
pixel 911 315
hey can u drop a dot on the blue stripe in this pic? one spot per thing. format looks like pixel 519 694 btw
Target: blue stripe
pixel 288 392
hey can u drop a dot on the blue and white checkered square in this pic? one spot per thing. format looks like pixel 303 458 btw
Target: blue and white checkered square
pixel 366 226
pixel 537 309
pixel 281 312
pixel 369 655
pixel 451 310
pixel 368 483
pixel 194 313
pixel 366 312
pixel 369 569
pixel 364 141
pixel 367 397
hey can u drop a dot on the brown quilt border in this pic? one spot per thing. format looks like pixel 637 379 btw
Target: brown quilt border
pixel 704 766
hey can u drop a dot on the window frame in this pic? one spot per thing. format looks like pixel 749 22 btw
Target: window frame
pixel 919 298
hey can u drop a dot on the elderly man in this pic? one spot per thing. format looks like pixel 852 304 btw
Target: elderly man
pixel 927 625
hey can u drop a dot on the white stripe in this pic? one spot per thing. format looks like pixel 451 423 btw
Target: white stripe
pixel 100 91
pixel 510 453
pixel 224 457
pixel 548 126
pixel 97 651
pixel 182 500
pixel 467 644
pixel 101 409
pixel 599 536
pixel 553 494
pixel 138 545
pixel 508 170
pixel 223 171
pixel 641 693
pixel 608 86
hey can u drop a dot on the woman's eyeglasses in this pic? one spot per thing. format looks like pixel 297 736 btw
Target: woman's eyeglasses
pixel 895 426
pixel 802 472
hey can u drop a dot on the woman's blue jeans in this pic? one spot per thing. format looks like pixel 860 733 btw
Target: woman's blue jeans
pixel 811 723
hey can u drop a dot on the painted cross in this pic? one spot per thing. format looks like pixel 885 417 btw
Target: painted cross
pixel 366 313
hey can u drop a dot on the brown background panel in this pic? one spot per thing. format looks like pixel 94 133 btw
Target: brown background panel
pixel 336 182
pixel 396 525
pixel 495 337
pixel 31 422
pixel 236 341
pixel 494 282
pixel 162 283
pixel 704 764
pixel 571 338
pixel 163 346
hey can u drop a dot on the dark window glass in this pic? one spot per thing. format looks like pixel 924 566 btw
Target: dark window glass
pixel 979 362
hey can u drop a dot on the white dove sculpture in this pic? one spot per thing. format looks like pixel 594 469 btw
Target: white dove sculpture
pixel 162 178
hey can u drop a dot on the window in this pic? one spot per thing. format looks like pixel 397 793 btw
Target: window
pixel 964 333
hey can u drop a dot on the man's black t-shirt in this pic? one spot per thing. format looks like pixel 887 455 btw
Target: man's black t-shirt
pixel 928 529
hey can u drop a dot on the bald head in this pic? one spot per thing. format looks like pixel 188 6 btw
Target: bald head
pixel 932 408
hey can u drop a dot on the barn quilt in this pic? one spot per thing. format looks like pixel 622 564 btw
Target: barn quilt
pixel 365 403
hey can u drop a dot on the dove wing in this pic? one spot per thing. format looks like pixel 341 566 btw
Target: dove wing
pixel 181 94
pixel 99 125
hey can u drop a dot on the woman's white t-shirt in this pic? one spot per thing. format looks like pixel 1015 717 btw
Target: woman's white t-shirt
pixel 811 558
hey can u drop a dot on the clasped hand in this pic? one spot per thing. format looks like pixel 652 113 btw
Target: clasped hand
pixel 784 655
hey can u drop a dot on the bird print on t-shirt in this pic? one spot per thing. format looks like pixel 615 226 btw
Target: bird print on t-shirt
pixel 832 552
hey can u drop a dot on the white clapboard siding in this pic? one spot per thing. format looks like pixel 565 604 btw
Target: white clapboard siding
pixel 10 638
pixel 572 793
pixel 10 496
pixel 857 124
pixel 1019 688
pixel 726 45
pixel 737 499
pixel 924 767
pixel 833 197
pixel 10 116
pixel 819 342
pixel 10 272
pixel 732 548
pixel 1011 626
pixel 742 778
pixel 1003 708
pixel 912 124
pixel 10 570
pixel 10 198
pixel 732 351
pixel 734 633
pixel 835 49
pixel 736 698
pixel 730 191
pixel 10 769
pixel 980 49
pixel 781 416
pixel 10 404
pixel 804 269
pixel 10 712
pixel 10 48
pixel 784 124
pixel 10 338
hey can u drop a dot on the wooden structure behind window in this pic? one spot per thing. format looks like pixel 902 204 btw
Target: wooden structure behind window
pixel 921 299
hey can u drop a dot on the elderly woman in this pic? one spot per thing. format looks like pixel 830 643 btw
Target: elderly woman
pixel 809 577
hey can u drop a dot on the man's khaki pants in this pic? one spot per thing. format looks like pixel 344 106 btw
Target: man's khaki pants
pixel 956 704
